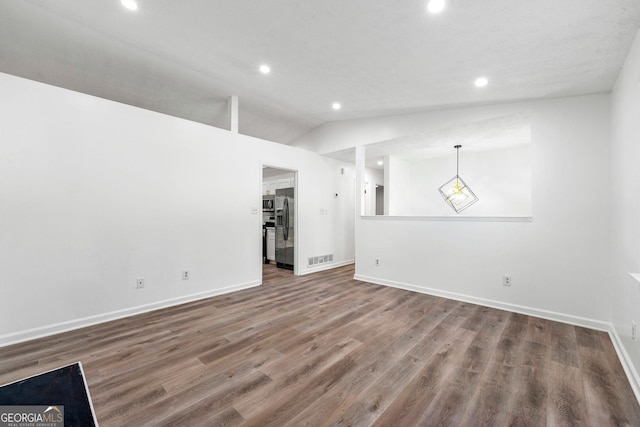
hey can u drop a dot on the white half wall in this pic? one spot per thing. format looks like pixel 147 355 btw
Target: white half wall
pixel 94 194
pixel 625 202
pixel 559 262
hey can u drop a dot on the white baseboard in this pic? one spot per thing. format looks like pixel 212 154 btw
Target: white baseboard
pixel 530 311
pixel 625 360
pixel 44 331
pixel 325 266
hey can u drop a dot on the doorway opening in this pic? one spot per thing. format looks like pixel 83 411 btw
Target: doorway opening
pixel 279 219
pixel 379 199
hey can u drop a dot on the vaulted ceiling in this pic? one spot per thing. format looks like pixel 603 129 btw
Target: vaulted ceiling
pixel 375 57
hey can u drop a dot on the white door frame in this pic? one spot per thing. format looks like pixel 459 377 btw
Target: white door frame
pixel 296 234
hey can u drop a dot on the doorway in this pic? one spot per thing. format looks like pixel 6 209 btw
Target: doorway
pixel 279 219
pixel 379 199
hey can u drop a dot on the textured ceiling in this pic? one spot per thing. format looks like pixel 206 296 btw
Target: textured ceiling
pixel 376 57
pixel 488 134
pixel 494 133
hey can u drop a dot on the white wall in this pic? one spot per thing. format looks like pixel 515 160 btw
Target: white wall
pixel 94 194
pixel 558 263
pixel 625 202
pixel 397 184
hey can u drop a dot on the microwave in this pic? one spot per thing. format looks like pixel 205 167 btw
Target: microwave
pixel 268 203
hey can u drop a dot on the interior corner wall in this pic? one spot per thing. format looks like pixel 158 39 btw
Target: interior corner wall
pixel 625 202
pixel 94 194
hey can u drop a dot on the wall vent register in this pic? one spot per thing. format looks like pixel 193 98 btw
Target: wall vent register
pixel 315 260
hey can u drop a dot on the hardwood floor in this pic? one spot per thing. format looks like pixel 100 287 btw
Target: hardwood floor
pixel 325 349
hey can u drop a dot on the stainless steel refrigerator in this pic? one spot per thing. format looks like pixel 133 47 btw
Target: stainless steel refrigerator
pixel 285 208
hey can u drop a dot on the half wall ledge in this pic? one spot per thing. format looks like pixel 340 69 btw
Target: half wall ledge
pixel 451 218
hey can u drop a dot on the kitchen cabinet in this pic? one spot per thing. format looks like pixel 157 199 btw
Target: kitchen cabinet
pixel 283 183
pixel 270 187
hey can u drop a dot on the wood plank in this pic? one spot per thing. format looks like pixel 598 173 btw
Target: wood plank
pixel 531 386
pixel 324 349
pixel 566 404
pixel 409 406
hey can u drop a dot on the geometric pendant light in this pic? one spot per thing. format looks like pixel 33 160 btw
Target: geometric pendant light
pixel 456 192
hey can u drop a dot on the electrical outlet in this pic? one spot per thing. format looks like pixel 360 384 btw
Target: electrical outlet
pixel 140 282
pixel 377 262
pixel 634 331
pixel 186 274
pixel 506 280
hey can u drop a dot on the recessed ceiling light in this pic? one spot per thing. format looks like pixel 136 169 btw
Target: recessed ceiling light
pixel 336 106
pixel 380 163
pixel 481 82
pixel 130 4
pixel 435 6
pixel 265 69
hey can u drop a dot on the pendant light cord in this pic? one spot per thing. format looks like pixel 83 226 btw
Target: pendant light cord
pixel 457 147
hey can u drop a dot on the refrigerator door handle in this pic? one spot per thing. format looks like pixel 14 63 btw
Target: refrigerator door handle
pixel 285 213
